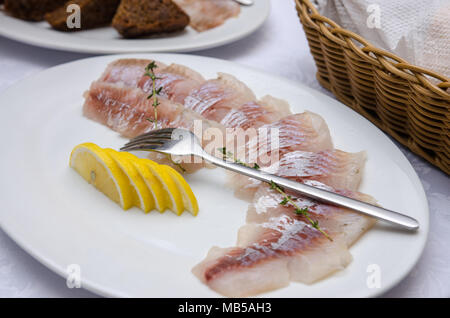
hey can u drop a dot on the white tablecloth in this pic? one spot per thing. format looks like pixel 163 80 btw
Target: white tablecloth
pixel 279 47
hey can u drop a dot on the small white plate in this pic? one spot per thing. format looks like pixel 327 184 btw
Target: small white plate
pixel 106 40
pixel 58 218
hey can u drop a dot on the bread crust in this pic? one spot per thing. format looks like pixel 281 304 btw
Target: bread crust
pixel 136 18
pixel 31 10
pixel 94 13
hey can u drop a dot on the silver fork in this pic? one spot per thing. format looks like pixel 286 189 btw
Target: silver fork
pixel 181 142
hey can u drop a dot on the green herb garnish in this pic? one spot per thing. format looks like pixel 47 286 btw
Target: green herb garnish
pixel 286 198
pixel 150 72
pixel 227 155
pixel 299 211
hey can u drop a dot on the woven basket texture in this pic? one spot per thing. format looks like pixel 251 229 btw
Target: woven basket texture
pixel 408 102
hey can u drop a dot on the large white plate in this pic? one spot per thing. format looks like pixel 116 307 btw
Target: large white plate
pixel 60 220
pixel 107 40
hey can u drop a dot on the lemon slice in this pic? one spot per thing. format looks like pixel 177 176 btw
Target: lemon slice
pixel 153 183
pixel 142 197
pixel 99 169
pixel 189 199
pixel 155 195
pixel 173 197
pixel 131 181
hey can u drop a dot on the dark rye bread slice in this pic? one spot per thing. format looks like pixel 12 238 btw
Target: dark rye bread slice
pixel 145 17
pixel 94 13
pixel 32 10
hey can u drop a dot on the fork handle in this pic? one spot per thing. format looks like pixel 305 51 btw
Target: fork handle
pixel 319 194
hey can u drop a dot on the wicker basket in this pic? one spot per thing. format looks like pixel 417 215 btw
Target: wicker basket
pixel 396 96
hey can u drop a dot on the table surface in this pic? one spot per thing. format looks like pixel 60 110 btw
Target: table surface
pixel 279 46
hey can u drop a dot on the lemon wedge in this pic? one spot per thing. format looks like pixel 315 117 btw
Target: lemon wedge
pixel 188 197
pixel 142 196
pixel 99 169
pixel 154 184
pixel 132 181
pixel 173 197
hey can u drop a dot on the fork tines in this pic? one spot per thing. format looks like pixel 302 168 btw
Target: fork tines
pixel 166 132
pixel 149 141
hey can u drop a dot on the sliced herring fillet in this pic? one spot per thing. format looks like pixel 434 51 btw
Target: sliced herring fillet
pixel 281 250
pixel 127 71
pixel 176 82
pixel 266 145
pixel 215 98
pixel 256 113
pixel 351 225
pixel 336 168
pixel 127 111
pixel 208 14
pixel 222 97
pixel 277 246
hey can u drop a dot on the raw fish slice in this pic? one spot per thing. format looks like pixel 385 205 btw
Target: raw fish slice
pixel 278 246
pixel 266 205
pixel 338 169
pixel 127 111
pixel 276 105
pixel 278 251
pixel 127 71
pixel 256 114
pixel 177 82
pixel 184 71
pixel 240 283
pixel 208 14
pixel 215 98
pixel 306 132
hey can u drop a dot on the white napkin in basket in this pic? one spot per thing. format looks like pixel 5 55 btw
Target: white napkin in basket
pixel 416 30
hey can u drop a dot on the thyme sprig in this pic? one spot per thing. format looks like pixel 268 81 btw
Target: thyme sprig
pixel 299 211
pixel 228 155
pixel 150 72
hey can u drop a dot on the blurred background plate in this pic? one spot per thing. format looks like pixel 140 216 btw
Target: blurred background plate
pixel 106 40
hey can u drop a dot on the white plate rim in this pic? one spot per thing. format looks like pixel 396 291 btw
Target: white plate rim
pixel 94 48
pixel 95 288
